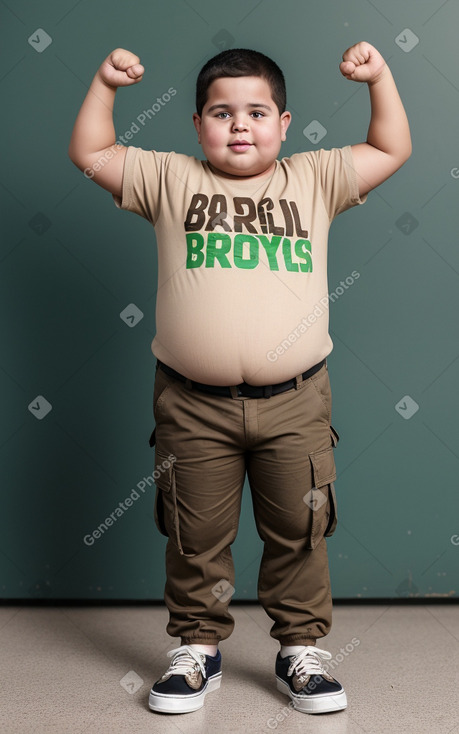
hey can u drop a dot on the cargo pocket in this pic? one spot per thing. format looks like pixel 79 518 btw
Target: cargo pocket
pixel 160 392
pixel 322 498
pixel 166 505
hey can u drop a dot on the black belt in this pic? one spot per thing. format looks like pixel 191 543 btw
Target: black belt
pixel 243 389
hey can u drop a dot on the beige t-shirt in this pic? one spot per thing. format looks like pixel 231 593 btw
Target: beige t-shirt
pixel 242 265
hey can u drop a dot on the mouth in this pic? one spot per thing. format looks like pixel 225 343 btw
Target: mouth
pixel 240 145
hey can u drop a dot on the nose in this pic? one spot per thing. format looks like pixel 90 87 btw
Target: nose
pixel 240 122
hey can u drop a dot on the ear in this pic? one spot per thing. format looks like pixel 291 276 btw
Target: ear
pixel 285 121
pixel 197 124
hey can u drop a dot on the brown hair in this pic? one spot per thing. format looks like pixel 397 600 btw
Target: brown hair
pixel 241 62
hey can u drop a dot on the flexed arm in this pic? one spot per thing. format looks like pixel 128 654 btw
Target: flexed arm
pixel 93 146
pixel 388 143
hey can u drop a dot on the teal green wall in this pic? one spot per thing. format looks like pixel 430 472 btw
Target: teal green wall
pixel 71 263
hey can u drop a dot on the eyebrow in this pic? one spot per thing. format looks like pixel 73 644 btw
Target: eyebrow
pixel 227 106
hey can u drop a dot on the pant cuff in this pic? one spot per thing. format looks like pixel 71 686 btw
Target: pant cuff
pixel 199 641
pixel 297 640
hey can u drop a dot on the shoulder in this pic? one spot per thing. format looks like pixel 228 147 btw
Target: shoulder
pixel 315 158
pixel 161 159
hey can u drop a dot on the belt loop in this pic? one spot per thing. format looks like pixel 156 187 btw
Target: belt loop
pixel 267 391
pixel 188 384
pixel 233 390
pixel 298 380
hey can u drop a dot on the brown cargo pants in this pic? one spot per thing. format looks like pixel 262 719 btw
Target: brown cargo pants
pixel 205 444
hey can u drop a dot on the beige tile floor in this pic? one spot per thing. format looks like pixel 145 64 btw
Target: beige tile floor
pixel 61 669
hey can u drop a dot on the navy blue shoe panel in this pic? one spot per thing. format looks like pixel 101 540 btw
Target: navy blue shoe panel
pixel 317 684
pixel 177 684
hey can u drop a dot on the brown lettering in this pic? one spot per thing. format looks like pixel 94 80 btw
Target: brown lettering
pixel 217 213
pixel 300 232
pixel 271 226
pixel 240 217
pixel 287 217
pixel 198 204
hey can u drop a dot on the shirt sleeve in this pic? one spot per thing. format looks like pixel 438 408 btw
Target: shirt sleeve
pixel 338 180
pixel 142 182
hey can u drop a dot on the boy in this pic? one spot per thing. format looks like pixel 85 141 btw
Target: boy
pixel 242 266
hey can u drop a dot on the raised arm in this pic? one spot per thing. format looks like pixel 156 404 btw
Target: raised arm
pixel 388 143
pixel 93 148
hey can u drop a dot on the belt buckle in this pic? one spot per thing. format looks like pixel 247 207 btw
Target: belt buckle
pixel 254 391
pixel 242 391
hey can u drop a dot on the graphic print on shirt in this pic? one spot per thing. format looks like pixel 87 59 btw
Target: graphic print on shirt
pixel 240 243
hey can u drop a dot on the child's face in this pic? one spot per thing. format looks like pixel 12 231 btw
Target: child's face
pixel 241 109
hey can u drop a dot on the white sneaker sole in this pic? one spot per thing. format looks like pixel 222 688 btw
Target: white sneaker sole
pixel 177 704
pixel 315 703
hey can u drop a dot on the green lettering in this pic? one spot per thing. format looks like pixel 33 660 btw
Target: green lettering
pixel 271 248
pixel 303 251
pixel 239 242
pixel 287 252
pixel 219 253
pixel 194 246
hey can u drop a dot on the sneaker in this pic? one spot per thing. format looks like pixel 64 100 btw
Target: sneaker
pixel 304 678
pixel 185 683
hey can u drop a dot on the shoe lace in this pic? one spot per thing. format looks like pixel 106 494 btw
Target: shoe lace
pixel 185 660
pixel 309 662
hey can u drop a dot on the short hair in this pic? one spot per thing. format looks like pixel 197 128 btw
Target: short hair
pixel 241 62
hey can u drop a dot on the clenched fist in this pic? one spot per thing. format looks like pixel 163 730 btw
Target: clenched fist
pixel 362 63
pixel 121 69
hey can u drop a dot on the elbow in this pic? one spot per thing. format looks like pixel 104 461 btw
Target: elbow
pixel 408 146
pixel 75 155
pixel 72 154
pixel 404 154
pixel 409 150
pixel 76 158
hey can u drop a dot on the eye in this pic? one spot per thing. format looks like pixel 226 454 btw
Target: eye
pixel 258 113
pixel 219 115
